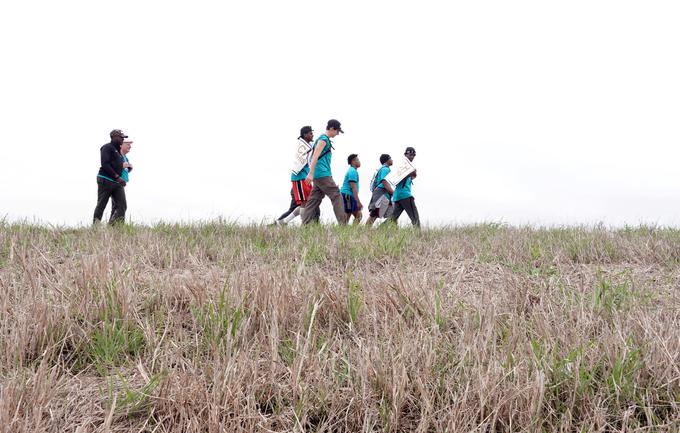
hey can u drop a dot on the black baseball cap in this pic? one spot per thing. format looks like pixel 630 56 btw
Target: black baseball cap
pixel 117 133
pixel 305 130
pixel 334 124
pixel 384 158
pixel 351 158
pixel 410 151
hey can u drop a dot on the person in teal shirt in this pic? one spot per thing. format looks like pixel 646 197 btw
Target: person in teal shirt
pixel 381 198
pixel 403 190
pixel 403 198
pixel 300 189
pixel 321 178
pixel 350 190
pixel 125 174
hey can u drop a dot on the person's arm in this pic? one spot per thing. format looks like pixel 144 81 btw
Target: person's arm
pixel 353 186
pixel 107 167
pixel 414 174
pixel 315 159
pixel 387 186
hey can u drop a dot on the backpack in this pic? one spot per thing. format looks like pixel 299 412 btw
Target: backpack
pixel 374 178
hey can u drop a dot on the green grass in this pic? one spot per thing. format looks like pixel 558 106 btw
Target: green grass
pixel 219 320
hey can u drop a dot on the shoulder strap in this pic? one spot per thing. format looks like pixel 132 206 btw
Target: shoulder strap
pixel 328 150
pixel 309 146
pixel 374 179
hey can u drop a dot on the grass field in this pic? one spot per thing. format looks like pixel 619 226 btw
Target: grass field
pixel 216 327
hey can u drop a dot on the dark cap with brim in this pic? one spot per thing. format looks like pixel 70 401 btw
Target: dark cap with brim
pixel 335 124
pixel 117 133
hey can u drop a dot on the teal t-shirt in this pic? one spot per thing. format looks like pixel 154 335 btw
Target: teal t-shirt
pixel 403 190
pixel 323 165
pixel 382 174
pixel 351 176
pixel 125 174
pixel 302 175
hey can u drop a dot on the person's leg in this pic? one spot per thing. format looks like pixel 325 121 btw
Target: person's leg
pixel 293 206
pixel 374 206
pixel 316 215
pixel 416 221
pixel 329 188
pixel 301 192
pixel 118 195
pixel 113 207
pixel 386 207
pixel 313 203
pixel 397 209
pixel 292 215
pixel 104 188
pixel 412 211
pixel 348 206
pixel 354 211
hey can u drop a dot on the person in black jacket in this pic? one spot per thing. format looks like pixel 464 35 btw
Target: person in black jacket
pixel 110 184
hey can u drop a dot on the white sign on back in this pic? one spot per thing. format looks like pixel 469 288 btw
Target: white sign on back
pixel 302 153
pixel 399 171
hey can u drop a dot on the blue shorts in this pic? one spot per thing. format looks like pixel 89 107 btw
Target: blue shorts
pixel 350 203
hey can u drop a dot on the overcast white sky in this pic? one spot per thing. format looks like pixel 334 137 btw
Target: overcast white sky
pixel 521 112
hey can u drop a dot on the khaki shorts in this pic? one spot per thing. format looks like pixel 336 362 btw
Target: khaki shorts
pixel 380 202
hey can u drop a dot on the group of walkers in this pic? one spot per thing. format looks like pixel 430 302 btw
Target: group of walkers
pixel 312 180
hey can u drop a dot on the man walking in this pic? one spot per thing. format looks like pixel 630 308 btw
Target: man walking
pixel 382 191
pixel 402 197
pixel 300 189
pixel 320 174
pixel 127 168
pixel 109 180
pixel 350 190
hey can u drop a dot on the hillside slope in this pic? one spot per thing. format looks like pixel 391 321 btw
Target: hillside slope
pixel 216 327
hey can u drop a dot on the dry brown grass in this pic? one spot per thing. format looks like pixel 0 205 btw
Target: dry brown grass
pixel 221 328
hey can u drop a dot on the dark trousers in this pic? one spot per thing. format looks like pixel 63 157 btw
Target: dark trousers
pixel 114 209
pixel 292 207
pixel 105 190
pixel 408 205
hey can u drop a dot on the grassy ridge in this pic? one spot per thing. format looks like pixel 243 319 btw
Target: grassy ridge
pixel 213 327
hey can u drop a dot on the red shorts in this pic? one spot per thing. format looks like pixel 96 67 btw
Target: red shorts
pixel 301 190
